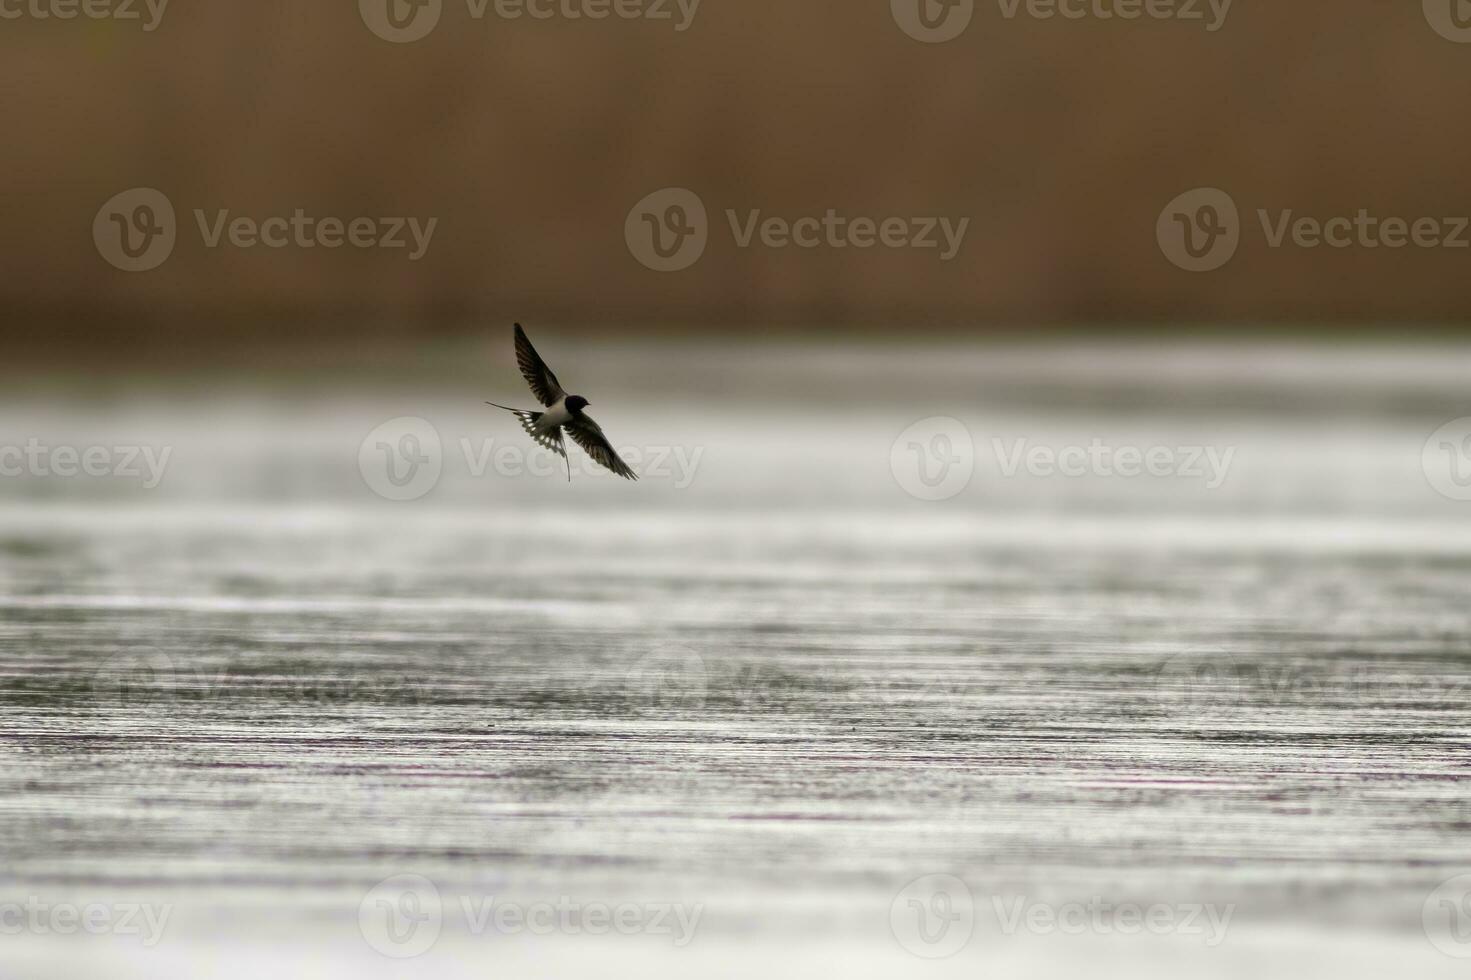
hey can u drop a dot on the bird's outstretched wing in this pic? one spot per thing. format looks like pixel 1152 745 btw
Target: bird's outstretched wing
pixel 544 384
pixel 589 435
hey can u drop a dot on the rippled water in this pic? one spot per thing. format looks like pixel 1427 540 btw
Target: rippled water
pixel 777 696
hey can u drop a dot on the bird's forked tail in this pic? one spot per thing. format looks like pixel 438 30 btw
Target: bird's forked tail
pixel 547 439
pixel 528 419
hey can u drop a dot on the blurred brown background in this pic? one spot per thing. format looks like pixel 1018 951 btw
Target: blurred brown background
pixel 530 141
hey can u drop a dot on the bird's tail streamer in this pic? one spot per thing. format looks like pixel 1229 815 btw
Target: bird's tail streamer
pixel 528 422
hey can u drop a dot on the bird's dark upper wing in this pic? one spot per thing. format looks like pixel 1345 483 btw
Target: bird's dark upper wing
pixel 544 384
pixel 589 435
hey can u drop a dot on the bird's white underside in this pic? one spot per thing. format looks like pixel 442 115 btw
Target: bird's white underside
pixel 555 417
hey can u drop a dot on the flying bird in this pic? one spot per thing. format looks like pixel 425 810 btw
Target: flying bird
pixel 563 411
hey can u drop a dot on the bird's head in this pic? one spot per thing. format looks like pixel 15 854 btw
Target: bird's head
pixel 576 403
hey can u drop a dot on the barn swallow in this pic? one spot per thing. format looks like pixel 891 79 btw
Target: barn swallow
pixel 563 411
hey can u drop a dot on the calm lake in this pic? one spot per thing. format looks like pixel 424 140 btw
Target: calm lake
pixel 768 711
